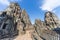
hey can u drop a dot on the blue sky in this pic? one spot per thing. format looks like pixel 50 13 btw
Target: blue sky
pixel 35 8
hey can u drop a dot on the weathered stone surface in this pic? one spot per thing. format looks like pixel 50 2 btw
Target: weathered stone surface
pixel 41 31
pixel 44 28
pixel 21 18
pixel 51 20
pixel 14 10
pixel 7 28
pixel 14 18
pixel 26 20
pixel 23 22
pixel 20 27
pixel 39 27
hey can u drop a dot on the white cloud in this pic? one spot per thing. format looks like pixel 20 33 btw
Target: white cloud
pixel 50 4
pixel 4 2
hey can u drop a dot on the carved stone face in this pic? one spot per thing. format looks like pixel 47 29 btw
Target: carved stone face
pixel 11 5
pixel 48 14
